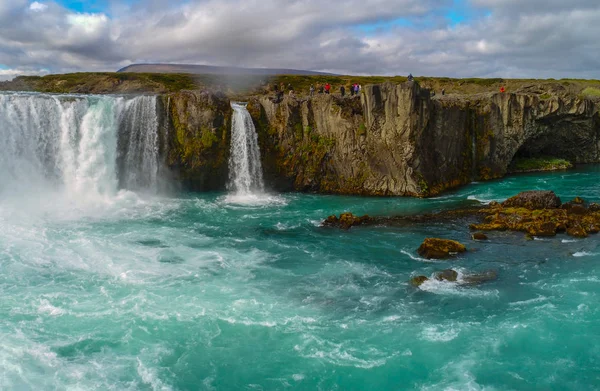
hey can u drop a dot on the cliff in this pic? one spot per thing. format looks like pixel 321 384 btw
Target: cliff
pixel 398 140
pixel 199 131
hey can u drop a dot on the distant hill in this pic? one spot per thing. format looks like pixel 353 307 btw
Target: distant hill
pixel 215 70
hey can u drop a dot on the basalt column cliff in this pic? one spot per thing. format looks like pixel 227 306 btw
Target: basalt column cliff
pixel 392 140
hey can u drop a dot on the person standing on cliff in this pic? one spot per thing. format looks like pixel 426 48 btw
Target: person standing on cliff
pixel 312 90
pixel 342 91
pixel 327 88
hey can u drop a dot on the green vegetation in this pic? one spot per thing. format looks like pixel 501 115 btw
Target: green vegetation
pixel 241 87
pixel 100 83
pixel 543 163
pixel 591 92
pixel 362 129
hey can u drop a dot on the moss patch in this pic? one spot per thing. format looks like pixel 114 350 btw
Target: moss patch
pixel 539 164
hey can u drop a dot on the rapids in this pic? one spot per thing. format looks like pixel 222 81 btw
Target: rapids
pixel 106 283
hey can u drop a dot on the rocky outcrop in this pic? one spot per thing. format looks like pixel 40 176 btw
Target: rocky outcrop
pixel 433 248
pixel 534 200
pixel 537 214
pixel 199 128
pixel 398 140
pixel 346 221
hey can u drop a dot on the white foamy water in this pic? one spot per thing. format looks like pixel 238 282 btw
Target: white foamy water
pixel 78 151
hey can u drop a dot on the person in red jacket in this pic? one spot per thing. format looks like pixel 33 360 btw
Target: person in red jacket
pixel 502 89
pixel 327 88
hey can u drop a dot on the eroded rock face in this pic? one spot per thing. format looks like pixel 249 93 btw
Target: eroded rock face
pixel 199 133
pixel 433 248
pixel 536 199
pixel 397 140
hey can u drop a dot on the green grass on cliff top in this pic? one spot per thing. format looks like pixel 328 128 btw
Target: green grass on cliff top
pixel 244 85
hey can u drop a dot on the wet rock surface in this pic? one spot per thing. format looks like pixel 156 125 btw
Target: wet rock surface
pixel 345 221
pixel 451 275
pixel 418 281
pixel 539 214
pixel 433 248
pixel 536 199
pixel 479 236
pixel 447 275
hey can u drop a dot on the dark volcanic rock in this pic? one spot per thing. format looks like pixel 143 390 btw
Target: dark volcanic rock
pixel 479 236
pixel 418 281
pixel 440 248
pixel 536 199
pixel 447 275
pixel 547 228
pixel 577 231
pixel 345 221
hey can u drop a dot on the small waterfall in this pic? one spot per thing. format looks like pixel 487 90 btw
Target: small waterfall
pixel 85 146
pixel 245 171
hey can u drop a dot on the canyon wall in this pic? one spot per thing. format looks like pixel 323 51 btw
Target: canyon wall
pixel 390 140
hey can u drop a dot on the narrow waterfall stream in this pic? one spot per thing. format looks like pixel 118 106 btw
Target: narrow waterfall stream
pixel 245 170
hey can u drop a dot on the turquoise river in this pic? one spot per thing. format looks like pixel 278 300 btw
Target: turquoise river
pixel 135 290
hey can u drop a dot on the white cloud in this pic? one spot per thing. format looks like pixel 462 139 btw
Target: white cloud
pixel 515 38
pixel 38 7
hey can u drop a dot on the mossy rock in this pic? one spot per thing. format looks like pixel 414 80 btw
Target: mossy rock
pixel 418 281
pixel 433 248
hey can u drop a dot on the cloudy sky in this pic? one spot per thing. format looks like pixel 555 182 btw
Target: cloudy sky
pixel 459 38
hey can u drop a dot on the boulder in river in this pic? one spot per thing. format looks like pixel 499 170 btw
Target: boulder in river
pixel 418 281
pixel 447 275
pixel 433 248
pixel 535 199
pixel 479 236
pixel 345 221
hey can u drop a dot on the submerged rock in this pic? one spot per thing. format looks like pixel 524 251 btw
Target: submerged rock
pixel 433 248
pixel 479 236
pixel 535 199
pixel 480 278
pixel 345 221
pixel 447 275
pixel 450 275
pixel 418 281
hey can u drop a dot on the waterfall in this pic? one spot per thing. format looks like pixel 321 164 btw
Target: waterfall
pixel 81 145
pixel 245 171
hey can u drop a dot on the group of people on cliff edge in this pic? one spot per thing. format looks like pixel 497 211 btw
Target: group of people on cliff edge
pixel 326 89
